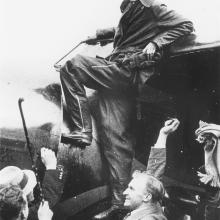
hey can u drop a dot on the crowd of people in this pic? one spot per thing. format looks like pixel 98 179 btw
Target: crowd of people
pixel 17 190
pixel 144 195
pixel 145 29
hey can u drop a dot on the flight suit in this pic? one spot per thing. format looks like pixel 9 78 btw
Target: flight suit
pixel 141 22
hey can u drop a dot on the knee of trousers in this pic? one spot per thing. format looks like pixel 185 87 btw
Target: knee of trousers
pixel 78 62
pixel 72 68
pixel 68 73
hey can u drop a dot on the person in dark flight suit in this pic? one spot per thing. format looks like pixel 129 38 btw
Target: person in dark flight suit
pixel 146 27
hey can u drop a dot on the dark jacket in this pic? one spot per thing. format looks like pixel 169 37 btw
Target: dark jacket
pixel 145 21
pixel 52 187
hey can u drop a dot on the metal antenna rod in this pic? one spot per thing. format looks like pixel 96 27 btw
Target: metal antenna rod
pixel 55 65
pixel 41 196
pixel 91 41
pixel 20 100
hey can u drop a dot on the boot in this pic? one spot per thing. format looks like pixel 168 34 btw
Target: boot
pixel 77 107
pixel 80 123
pixel 81 139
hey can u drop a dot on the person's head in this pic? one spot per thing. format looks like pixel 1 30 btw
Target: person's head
pixel 13 203
pixel 142 190
pixel 25 179
pixel 208 134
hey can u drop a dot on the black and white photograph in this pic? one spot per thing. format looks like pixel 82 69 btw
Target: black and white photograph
pixel 110 110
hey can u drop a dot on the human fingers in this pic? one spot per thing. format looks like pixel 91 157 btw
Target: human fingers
pixel 149 54
pixel 172 124
pixel 41 206
pixel 44 212
pixel 49 159
pixel 206 179
pixel 44 205
pixel 149 50
pixel 42 152
pixel 200 174
pixel 176 124
pixel 168 122
pixel 171 120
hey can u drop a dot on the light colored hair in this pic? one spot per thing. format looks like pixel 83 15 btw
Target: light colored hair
pixel 11 202
pixel 153 185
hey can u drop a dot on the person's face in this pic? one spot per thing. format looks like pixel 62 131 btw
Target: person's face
pixel 135 193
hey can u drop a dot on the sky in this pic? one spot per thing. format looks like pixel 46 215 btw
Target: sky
pixel 36 33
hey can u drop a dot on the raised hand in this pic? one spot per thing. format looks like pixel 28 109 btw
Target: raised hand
pixel 170 126
pixel 48 158
pixel 44 212
pixel 150 50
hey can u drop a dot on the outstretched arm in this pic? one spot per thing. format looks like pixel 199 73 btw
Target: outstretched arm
pixel 53 182
pixel 157 159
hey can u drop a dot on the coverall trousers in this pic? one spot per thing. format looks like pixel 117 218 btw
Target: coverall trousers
pixel 115 106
